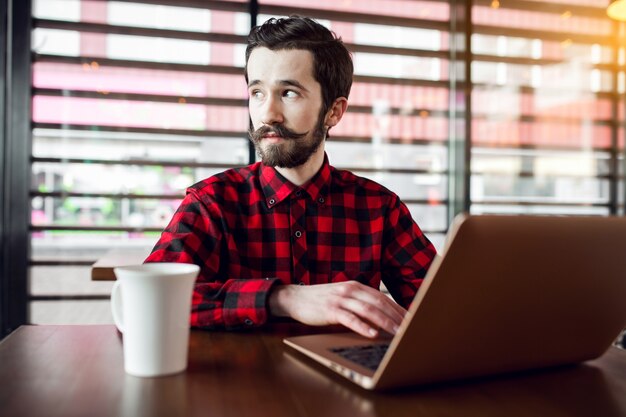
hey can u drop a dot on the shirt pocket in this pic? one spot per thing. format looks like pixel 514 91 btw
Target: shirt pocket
pixel 369 278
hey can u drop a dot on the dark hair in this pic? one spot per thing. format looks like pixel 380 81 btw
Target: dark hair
pixel 332 62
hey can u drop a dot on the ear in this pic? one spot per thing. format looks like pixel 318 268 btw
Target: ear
pixel 336 111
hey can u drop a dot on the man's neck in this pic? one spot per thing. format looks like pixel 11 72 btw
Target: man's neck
pixel 303 173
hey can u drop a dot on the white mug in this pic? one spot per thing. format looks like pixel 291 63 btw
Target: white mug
pixel 151 305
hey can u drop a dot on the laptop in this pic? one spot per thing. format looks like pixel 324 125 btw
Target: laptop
pixel 508 294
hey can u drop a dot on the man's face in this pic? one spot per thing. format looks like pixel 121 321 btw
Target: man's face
pixel 285 105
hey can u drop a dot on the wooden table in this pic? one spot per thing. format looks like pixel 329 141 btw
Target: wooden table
pixel 78 371
pixel 102 269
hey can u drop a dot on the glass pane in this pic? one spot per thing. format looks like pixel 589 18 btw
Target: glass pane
pixel 429 217
pixel 141 114
pixel 538 209
pixel 68 10
pixel 131 47
pixel 137 147
pixel 69 280
pixel 397 37
pixel 70 312
pixel 506 101
pixel 551 134
pixel 536 76
pixel 85 246
pixel 430 187
pixel 56 42
pixel 182 108
pixel 402 8
pixel 122 13
pixel 540 162
pixel 105 79
pixel 157 16
pixel 538 20
pixel 507 46
pixel 408 98
pixel 102 212
pixel 405 128
pixel 379 65
pixel 354 155
pixel 512 189
pixel 543 128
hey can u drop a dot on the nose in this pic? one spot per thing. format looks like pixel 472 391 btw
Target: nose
pixel 272 111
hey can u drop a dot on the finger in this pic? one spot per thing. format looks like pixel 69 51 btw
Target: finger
pixel 387 320
pixel 354 289
pixel 376 298
pixel 372 292
pixel 354 323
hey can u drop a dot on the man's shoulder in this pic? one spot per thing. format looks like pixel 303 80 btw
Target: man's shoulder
pixel 233 178
pixel 347 179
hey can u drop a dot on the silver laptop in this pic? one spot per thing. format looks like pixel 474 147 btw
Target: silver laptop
pixel 509 293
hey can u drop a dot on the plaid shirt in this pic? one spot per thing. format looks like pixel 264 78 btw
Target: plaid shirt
pixel 250 229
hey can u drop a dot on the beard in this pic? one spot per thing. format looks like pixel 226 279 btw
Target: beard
pixel 295 150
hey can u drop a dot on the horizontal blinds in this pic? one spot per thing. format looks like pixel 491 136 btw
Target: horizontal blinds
pixel 135 100
pixel 547 121
pixel 415 107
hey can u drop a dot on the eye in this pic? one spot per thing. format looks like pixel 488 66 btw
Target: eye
pixel 256 94
pixel 291 94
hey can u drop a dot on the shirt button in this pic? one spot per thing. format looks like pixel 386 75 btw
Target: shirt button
pixel 272 201
pixel 298 193
pixel 298 233
pixel 248 322
pixel 301 283
pixel 321 200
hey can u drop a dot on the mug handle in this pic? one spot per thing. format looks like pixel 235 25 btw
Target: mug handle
pixel 116 306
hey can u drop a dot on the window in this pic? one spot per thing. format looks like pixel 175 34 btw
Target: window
pixel 547 121
pixel 133 101
pixel 396 128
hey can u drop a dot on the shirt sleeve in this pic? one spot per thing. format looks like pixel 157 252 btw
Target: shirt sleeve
pixel 407 254
pixel 195 235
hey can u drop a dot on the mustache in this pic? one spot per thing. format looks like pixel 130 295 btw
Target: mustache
pixel 278 129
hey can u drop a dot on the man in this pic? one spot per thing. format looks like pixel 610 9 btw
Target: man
pixel 291 236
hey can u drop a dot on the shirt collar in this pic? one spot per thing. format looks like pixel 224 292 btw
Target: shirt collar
pixel 277 188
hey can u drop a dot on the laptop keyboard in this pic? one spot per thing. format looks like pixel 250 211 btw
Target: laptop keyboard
pixel 368 356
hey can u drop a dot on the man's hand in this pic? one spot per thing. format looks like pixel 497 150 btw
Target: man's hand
pixel 352 304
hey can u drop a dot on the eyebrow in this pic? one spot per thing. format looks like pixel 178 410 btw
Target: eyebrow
pixel 287 83
pixel 293 83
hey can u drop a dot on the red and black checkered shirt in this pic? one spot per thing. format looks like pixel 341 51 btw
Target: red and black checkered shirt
pixel 250 228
